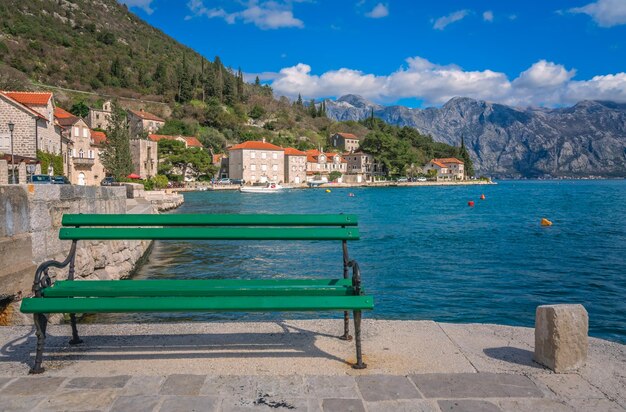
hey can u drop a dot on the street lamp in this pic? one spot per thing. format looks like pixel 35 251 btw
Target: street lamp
pixel 11 127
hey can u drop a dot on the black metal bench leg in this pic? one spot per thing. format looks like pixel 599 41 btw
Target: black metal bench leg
pixel 357 338
pixel 346 326
pixel 40 330
pixel 75 338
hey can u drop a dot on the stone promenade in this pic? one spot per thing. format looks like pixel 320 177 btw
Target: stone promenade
pixel 301 365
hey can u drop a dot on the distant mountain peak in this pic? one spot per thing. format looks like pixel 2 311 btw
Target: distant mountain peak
pixel 358 101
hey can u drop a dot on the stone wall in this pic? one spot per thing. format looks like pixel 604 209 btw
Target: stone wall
pixel 30 217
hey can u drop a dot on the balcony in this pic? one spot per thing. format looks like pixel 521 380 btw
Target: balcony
pixel 83 161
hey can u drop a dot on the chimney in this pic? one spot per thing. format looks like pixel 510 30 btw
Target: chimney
pixel 264 140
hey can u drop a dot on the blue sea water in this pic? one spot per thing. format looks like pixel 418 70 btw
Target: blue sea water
pixel 426 255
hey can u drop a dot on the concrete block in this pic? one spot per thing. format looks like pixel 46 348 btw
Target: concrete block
pixel 561 337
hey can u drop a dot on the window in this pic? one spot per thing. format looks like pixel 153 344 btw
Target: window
pixel 252 155
pixel 253 178
pixel 274 156
pixel 97 116
pixel 264 167
pixel 76 131
pixel 275 167
pixel 91 154
pixel 85 132
pixel 293 168
pixel 252 167
pixel 263 155
pixel 81 154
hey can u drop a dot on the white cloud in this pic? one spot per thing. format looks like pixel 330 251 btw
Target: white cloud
pixel 380 10
pixel 544 83
pixel 145 5
pixel 442 22
pixel 265 15
pixel 607 13
pixel 488 16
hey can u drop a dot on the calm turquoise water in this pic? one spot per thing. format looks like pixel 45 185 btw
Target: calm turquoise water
pixel 426 255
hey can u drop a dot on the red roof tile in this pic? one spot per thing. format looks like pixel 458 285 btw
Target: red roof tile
pixel 30 98
pixel 98 137
pixel 348 136
pixel 146 116
pixel 255 145
pixel 64 118
pixel 438 163
pixel 449 160
pixel 290 151
pixel 23 106
pixel 193 142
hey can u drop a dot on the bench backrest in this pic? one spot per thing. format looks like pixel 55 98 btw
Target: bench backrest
pixel 209 226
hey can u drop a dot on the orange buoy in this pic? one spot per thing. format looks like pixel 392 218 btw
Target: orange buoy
pixel 470 203
pixel 545 222
pixel 482 197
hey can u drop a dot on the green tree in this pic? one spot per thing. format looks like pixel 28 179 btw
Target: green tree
pixel 312 108
pixel 184 78
pixel 176 159
pixel 116 157
pixel 256 112
pixel 465 156
pixel 160 77
pixel 79 109
pixel 334 175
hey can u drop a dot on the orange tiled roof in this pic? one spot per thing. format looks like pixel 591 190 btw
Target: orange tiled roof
pixel 290 151
pixel 64 118
pixel 146 116
pixel 255 145
pixel 23 106
pixel 30 98
pixel 348 136
pixel 192 141
pixel 438 163
pixel 449 160
pixel 98 137
pixel 217 158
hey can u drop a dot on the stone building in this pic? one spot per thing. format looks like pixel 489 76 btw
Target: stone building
pixel 140 122
pixel 321 164
pixel 364 165
pixel 145 157
pixel 99 118
pixel 255 161
pixel 220 161
pixel 295 166
pixel 449 168
pixel 345 142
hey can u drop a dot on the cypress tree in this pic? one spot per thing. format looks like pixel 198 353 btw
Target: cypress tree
pixel 299 104
pixel 240 95
pixel 116 157
pixel 218 70
pixel 257 81
pixel 312 109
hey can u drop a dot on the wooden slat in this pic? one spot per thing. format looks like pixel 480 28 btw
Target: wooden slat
pixel 186 304
pixel 199 233
pixel 208 287
pixel 209 220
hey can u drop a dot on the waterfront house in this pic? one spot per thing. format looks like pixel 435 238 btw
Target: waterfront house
pixel 449 168
pixel 362 166
pixel 140 122
pixel 99 118
pixel 256 161
pixel 144 153
pixel 345 142
pixel 295 166
pixel 321 164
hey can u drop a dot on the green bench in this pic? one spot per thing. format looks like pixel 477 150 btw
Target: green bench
pixel 338 293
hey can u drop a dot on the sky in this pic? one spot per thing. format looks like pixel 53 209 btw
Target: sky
pixel 416 53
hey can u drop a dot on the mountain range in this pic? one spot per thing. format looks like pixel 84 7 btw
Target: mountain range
pixel 587 139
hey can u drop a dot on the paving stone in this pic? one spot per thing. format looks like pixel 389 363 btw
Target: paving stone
pixel 19 403
pixel 4 381
pixel 79 400
pixel 101 382
pixel 475 385
pixel 467 405
pixel 33 386
pixel 282 386
pixel 533 405
pixel 386 387
pixel 140 403
pixel 595 405
pixel 570 386
pixel 269 403
pixel 323 387
pixel 143 385
pixel 230 386
pixel 342 405
pixel 189 403
pixel 182 385
pixel 405 405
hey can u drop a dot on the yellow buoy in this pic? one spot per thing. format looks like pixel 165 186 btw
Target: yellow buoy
pixel 545 222
pixel 327 190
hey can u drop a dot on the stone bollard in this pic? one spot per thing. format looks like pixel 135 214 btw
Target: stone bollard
pixel 561 340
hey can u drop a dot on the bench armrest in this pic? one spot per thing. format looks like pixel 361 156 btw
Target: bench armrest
pixel 42 278
pixel 356 276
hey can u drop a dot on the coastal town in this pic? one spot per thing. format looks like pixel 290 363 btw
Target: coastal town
pixel 33 128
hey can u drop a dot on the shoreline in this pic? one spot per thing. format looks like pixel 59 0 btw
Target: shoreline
pixel 331 185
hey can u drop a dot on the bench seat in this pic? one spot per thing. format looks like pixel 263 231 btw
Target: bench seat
pixel 199 288
pixel 185 304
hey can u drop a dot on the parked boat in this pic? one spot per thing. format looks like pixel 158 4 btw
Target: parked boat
pixel 269 188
